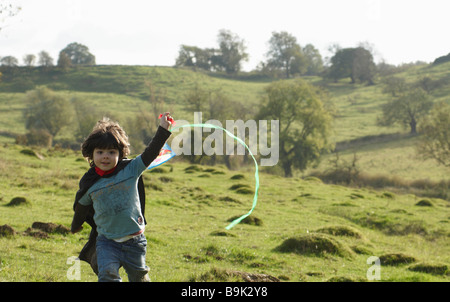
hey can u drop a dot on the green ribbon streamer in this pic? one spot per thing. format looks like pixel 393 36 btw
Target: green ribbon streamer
pixel 255 197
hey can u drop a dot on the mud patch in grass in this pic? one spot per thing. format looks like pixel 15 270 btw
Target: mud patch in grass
pixel 17 201
pixel 7 231
pixel 49 227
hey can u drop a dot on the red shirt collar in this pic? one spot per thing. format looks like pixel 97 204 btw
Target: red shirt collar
pixel 102 173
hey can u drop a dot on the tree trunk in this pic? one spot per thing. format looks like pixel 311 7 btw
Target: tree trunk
pixel 413 125
pixel 287 167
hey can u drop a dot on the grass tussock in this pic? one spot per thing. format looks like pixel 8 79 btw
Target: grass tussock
pixel 242 189
pixel 314 245
pixel 424 203
pixel 396 259
pixel 430 268
pixel 250 220
pixel 341 231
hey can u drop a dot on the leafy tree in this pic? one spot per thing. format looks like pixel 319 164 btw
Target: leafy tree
pixel 408 109
pixel 314 60
pixel 192 56
pixel 79 54
pixel 363 68
pixel 64 61
pixel 227 58
pixel 305 122
pixel 29 59
pixel 395 86
pixel 47 110
pixel 9 61
pixel 356 63
pixel 286 54
pixel 86 116
pixel 435 140
pixel 232 51
pixel 45 59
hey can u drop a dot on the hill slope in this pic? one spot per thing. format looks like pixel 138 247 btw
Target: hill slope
pixel 302 230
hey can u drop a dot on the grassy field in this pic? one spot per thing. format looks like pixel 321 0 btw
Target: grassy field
pixel 301 230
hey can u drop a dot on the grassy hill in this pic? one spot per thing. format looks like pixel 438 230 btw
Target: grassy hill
pixel 302 229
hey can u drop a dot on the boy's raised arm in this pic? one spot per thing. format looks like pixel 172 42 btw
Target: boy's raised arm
pixel 158 141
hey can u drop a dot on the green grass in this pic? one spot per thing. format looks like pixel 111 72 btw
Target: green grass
pixel 187 214
pixel 188 207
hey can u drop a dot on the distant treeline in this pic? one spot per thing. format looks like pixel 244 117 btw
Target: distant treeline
pixel 286 58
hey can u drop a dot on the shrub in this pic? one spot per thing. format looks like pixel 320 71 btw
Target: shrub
pixel 35 137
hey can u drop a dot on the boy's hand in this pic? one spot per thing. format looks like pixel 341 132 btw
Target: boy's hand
pixel 77 230
pixel 166 120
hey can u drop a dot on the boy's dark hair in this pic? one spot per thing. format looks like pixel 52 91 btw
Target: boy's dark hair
pixel 106 134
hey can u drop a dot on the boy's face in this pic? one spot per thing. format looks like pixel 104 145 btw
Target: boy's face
pixel 106 159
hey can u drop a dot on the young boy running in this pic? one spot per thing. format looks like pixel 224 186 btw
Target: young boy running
pixel 112 192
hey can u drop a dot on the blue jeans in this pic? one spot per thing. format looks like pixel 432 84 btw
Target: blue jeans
pixel 111 255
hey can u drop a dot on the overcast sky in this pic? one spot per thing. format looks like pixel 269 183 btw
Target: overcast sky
pixel 148 32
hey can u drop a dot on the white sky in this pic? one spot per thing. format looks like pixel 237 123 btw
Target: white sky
pixel 149 32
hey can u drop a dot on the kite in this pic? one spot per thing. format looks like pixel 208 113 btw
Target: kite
pixel 167 153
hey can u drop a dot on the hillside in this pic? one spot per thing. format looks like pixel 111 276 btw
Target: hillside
pixel 126 92
pixel 301 229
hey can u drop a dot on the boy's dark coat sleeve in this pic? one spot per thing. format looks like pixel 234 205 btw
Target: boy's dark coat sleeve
pixel 153 149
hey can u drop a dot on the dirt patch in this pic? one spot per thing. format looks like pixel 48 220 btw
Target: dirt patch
pixel 36 233
pixel 314 245
pixel 6 231
pixel 17 201
pixel 49 227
